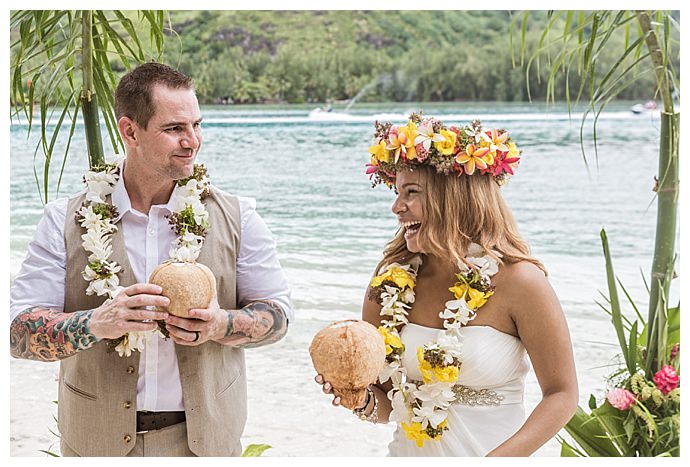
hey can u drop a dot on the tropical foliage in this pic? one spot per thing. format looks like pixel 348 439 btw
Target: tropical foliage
pixel 61 63
pixel 641 413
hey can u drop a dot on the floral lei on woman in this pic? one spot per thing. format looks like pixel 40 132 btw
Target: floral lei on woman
pixel 189 220
pixel 422 407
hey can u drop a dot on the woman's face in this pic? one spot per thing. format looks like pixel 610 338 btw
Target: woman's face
pixel 408 207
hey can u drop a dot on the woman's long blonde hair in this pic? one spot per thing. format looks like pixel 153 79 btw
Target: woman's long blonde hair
pixel 459 211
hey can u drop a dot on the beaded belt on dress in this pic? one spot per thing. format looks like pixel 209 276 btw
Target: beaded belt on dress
pixel 466 395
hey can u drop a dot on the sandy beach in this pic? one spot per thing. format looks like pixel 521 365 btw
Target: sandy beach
pixel 286 408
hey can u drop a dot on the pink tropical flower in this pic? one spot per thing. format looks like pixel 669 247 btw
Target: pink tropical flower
pixel 621 398
pixel 422 152
pixel 505 164
pixel 674 351
pixel 666 379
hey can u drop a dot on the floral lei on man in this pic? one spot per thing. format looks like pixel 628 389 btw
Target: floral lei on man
pixel 422 407
pixel 189 220
pixel 450 150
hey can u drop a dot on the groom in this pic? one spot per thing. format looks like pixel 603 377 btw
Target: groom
pixel 181 396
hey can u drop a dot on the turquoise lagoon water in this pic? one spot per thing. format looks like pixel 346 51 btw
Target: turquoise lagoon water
pixel 307 175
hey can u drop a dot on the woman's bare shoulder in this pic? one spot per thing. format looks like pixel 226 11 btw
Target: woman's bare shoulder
pixel 527 289
pixel 522 274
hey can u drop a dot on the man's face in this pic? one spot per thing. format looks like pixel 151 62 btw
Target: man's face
pixel 170 142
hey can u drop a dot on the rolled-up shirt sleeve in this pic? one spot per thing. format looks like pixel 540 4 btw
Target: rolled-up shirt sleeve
pixel 41 277
pixel 259 274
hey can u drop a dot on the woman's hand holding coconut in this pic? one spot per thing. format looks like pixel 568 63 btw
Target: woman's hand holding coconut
pixel 348 357
pixel 356 400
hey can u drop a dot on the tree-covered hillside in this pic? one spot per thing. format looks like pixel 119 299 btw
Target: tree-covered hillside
pixel 315 56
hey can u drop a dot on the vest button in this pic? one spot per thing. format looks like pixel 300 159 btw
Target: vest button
pixel 128 438
pixel 127 405
pixel 130 369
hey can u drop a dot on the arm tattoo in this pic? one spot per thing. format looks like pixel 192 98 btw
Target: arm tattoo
pixel 49 335
pixel 259 323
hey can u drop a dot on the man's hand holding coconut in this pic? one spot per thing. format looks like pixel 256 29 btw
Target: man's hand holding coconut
pixel 195 317
pixel 127 312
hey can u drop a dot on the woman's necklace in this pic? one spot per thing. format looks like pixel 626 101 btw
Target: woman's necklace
pixel 422 407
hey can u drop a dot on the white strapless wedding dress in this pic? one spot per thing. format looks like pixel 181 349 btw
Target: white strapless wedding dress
pixel 492 360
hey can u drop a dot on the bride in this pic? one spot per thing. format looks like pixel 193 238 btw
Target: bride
pixel 462 305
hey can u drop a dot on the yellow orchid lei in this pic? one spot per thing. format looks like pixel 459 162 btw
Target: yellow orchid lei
pixel 455 150
pixel 421 408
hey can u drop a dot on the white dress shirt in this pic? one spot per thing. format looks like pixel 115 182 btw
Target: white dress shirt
pixel 148 238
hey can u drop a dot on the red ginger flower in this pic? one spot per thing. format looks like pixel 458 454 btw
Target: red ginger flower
pixel 621 398
pixel 666 379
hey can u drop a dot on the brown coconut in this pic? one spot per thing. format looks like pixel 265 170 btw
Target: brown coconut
pixel 188 285
pixel 349 355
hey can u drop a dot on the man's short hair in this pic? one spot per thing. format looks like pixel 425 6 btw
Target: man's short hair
pixel 134 93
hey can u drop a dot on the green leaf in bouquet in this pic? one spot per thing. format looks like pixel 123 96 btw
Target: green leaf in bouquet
pixel 567 450
pixel 255 450
pixel 673 324
pixel 629 425
pixel 615 303
pixel 592 402
pixel 588 432
pixel 613 421
pixel 632 347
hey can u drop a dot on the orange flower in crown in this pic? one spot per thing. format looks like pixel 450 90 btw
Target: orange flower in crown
pixel 461 151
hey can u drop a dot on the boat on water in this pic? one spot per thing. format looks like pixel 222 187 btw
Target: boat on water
pixel 648 106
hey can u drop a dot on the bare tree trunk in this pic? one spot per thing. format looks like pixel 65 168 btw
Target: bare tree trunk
pixel 88 94
pixel 667 204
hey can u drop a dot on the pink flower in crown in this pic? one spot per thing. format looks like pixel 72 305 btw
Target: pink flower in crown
pixel 504 163
pixel 621 398
pixel 666 379
pixel 422 152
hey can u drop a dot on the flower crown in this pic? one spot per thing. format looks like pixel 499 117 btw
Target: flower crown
pixel 425 140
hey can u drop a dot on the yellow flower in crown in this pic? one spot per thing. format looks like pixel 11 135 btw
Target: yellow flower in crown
pixel 475 298
pixel 415 432
pixel 472 158
pixel 391 340
pixel 401 141
pixel 379 153
pixel 424 366
pixel 446 374
pixel 447 146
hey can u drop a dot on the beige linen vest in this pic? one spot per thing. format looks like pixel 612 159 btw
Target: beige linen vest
pixel 98 389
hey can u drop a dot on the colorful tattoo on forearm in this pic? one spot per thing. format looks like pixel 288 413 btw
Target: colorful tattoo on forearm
pixel 50 335
pixel 259 323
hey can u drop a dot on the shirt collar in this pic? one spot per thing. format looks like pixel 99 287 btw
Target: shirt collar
pixel 120 197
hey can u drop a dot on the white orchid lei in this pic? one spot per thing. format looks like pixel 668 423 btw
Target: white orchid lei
pixel 189 220
pixel 421 407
